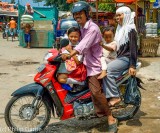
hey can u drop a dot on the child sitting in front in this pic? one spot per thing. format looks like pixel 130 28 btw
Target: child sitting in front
pixel 72 71
pixel 109 49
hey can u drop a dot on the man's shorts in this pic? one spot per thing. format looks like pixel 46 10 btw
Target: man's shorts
pixel 13 31
pixel 27 38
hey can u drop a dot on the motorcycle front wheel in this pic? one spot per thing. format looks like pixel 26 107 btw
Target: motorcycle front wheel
pixel 4 35
pixel 18 114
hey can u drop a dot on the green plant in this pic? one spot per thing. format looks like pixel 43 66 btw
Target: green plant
pixel 107 7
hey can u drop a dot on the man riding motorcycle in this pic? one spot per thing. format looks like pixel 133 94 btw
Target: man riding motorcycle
pixel 90 48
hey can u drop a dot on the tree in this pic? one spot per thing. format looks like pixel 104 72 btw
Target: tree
pixel 60 4
pixel 106 6
pixel 37 1
pixel 54 2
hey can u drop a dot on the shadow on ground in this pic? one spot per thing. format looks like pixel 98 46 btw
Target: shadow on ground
pixel 76 126
pixel 95 125
pixel 135 121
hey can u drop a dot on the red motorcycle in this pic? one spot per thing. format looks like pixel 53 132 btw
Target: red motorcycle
pixel 30 108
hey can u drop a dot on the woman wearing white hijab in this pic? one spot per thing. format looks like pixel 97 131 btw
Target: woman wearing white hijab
pixel 126 38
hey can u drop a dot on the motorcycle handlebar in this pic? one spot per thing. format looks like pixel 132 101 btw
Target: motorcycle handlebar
pixel 58 58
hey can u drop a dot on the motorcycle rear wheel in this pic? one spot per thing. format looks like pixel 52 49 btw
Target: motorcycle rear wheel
pixel 126 111
pixel 19 109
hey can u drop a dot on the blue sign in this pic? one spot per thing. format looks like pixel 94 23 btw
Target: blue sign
pixel 156 4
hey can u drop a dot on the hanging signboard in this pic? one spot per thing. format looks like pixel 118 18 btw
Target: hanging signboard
pixel 7 9
pixel 156 4
pixel 152 1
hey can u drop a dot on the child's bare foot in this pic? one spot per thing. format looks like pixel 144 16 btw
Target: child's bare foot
pixel 102 75
pixel 114 101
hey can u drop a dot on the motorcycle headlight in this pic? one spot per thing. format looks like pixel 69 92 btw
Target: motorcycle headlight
pixel 47 56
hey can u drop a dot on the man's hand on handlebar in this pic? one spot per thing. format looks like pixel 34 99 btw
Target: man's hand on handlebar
pixel 68 56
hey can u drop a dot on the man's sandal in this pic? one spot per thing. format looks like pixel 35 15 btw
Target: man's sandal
pixel 113 127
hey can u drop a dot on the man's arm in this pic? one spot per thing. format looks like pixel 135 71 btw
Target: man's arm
pixel 32 11
pixel 25 10
pixel 73 52
pixel 90 38
pixel 68 56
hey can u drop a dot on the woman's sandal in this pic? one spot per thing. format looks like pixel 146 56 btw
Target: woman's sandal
pixel 113 127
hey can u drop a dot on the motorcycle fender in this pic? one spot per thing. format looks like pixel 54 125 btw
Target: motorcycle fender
pixel 32 88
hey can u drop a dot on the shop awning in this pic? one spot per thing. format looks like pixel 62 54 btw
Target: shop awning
pixel 7 13
pixel 125 1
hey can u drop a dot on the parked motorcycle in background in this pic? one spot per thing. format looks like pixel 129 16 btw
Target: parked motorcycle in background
pixel 31 106
pixel 5 29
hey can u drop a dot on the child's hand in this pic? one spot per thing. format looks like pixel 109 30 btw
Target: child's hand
pixel 101 43
pixel 65 56
pixel 68 48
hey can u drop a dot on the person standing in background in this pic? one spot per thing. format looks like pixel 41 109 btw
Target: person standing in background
pixel 141 28
pixel 13 26
pixel 28 9
pixel 27 35
pixel 141 22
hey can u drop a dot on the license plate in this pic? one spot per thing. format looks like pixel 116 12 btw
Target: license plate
pixel 41 68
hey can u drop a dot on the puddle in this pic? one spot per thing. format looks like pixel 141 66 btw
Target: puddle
pixel 3 74
pixel 23 62
pixel 144 63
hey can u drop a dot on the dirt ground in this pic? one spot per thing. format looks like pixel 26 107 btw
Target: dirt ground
pixel 18 66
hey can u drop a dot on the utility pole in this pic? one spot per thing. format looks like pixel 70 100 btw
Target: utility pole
pixel 18 17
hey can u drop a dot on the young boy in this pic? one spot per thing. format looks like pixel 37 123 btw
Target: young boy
pixel 27 35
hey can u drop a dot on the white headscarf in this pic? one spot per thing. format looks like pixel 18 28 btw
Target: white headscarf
pixel 121 35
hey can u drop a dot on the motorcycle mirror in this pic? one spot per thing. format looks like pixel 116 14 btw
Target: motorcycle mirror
pixel 64 42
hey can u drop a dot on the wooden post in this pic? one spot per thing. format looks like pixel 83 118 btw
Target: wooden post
pixel 155 15
pixel 147 16
pixel 97 11
pixel 136 8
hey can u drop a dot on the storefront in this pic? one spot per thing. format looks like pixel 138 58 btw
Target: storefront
pixel 150 43
pixel 6 12
pixel 43 31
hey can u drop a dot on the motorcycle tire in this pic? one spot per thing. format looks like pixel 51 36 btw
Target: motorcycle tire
pixel 13 127
pixel 122 114
pixel 4 35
